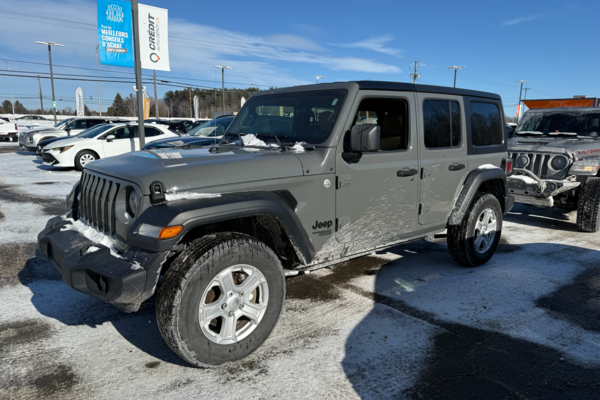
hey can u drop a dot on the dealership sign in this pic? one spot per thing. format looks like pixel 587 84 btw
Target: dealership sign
pixel 115 35
pixel 115 28
pixel 153 30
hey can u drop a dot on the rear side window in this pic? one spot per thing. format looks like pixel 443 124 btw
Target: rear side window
pixel 486 125
pixel 149 132
pixel 441 122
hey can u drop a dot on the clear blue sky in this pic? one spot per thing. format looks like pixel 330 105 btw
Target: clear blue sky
pixel 281 43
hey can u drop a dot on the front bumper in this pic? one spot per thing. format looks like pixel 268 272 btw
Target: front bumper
pixel 527 188
pixel 125 282
pixel 49 158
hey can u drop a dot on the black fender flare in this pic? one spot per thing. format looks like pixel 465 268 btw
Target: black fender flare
pixel 194 213
pixel 471 186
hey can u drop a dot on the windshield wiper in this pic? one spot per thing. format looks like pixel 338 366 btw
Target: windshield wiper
pixel 274 136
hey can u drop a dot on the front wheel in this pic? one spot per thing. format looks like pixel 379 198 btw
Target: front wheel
pixel 474 241
pixel 588 209
pixel 84 157
pixel 220 299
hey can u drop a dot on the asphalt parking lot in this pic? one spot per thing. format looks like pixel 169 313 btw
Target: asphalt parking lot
pixel 404 323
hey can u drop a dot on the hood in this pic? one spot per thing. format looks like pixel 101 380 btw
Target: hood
pixel 182 140
pixel 581 148
pixel 68 141
pixel 188 169
pixel 46 131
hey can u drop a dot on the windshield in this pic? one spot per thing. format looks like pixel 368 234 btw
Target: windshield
pixel 212 128
pixel 294 116
pixel 94 131
pixel 561 123
pixel 62 124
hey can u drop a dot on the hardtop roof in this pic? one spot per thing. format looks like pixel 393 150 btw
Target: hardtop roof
pixel 385 86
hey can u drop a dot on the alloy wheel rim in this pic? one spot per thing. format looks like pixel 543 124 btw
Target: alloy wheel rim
pixel 233 304
pixel 86 158
pixel 485 230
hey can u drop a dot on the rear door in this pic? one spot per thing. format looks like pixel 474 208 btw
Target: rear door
pixel 376 197
pixel 443 155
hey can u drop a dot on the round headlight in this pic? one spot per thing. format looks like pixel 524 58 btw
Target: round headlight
pixel 558 163
pixel 134 201
pixel 522 161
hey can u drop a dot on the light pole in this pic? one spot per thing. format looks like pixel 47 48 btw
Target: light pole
pixel 50 44
pixel 98 81
pixel 319 77
pixel 520 92
pixel 11 94
pixel 456 68
pixel 223 67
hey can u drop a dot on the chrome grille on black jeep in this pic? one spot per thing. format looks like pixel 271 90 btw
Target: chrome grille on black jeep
pixel 97 201
pixel 539 164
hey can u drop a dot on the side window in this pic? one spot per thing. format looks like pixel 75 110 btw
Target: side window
pixel 486 124
pixel 150 131
pixel 78 124
pixel 93 122
pixel 441 123
pixel 124 132
pixel 392 117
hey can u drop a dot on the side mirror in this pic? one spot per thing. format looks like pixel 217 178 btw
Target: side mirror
pixel 110 138
pixel 365 138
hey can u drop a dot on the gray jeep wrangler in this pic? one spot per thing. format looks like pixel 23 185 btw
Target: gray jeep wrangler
pixel 304 177
pixel 555 155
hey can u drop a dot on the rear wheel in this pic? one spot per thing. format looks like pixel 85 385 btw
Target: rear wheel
pixel 220 299
pixel 589 206
pixel 474 241
pixel 84 157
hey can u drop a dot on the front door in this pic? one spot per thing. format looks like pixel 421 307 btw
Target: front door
pixel 443 153
pixel 376 197
pixel 125 141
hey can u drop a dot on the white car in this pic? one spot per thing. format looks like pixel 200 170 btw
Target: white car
pixel 101 141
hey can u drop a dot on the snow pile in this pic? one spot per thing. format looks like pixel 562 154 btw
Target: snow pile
pixel 190 196
pixel 298 148
pixel 524 178
pixel 252 140
pixel 91 234
pixel 488 166
pixel 92 249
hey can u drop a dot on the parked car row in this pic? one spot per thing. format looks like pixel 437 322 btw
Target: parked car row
pixel 75 142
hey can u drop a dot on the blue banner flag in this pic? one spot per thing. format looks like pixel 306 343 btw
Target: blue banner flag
pixel 115 33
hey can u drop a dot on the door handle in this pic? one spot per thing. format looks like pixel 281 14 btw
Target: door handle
pixel 407 172
pixel 456 167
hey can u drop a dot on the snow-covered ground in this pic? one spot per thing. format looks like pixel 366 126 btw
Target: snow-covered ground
pixel 405 323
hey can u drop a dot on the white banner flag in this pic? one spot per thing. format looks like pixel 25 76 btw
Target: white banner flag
pixel 79 102
pixel 197 107
pixel 154 37
pixel 243 101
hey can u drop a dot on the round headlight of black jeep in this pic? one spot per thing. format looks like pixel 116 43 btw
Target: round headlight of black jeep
pixel 558 163
pixel 134 201
pixel 522 161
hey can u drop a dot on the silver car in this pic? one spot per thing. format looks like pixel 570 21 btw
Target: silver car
pixel 68 127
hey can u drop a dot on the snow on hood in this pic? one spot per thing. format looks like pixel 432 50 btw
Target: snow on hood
pixel 189 169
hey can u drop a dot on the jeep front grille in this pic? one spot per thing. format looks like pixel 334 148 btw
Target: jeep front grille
pixel 539 164
pixel 97 201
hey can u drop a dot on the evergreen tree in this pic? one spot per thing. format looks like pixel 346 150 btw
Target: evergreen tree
pixel 6 107
pixel 120 109
pixel 86 111
pixel 20 108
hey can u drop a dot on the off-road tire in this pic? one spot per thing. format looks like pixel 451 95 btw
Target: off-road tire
pixel 187 278
pixel 460 237
pixel 588 208
pixel 78 157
